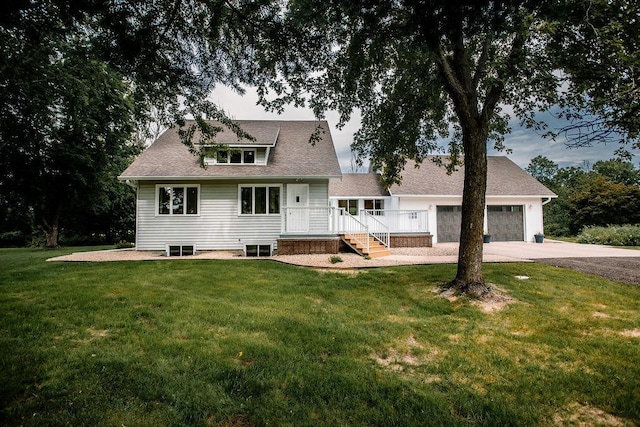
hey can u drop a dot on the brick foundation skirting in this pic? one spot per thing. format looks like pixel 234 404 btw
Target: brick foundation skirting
pixel 316 245
pixel 334 245
pixel 411 240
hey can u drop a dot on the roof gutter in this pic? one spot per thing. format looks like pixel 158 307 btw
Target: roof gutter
pixel 505 196
pixel 221 178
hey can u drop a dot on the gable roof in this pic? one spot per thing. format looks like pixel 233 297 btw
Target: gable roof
pixel 504 178
pixel 357 185
pixel 291 157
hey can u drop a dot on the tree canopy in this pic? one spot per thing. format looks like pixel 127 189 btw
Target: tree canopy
pixel 78 78
pixel 597 47
pixel 421 71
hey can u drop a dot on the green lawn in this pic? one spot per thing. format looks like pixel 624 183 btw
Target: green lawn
pixel 242 343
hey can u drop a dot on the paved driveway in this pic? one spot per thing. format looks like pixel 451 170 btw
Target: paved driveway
pixel 621 265
pixel 555 249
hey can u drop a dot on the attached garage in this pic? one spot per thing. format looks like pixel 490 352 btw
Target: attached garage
pixel 505 223
pixel 514 199
pixel 449 220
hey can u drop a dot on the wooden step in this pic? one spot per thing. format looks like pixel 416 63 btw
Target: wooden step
pixel 379 253
pixel 376 249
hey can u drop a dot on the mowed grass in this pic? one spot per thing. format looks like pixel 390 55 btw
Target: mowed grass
pixel 243 343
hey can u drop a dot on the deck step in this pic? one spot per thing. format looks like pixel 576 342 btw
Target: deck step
pixel 379 253
pixel 376 249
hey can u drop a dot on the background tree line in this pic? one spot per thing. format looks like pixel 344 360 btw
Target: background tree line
pixel 81 83
pixel 602 194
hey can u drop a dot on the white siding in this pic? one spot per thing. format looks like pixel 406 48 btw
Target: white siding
pixel 261 156
pixel 318 198
pixel 218 225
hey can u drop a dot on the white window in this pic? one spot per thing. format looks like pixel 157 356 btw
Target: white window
pixel 376 206
pixel 259 199
pixel 236 156
pixel 351 206
pixel 177 200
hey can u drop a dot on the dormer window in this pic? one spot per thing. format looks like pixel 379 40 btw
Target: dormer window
pixel 248 156
pixel 240 156
pixel 235 157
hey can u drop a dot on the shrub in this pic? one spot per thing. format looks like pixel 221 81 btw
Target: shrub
pixel 615 235
pixel 335 259
pixel 82 240
pixel 12 239
pixel 123 244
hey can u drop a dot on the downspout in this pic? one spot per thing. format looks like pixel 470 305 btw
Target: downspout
pixel 547 201
pixel 137 212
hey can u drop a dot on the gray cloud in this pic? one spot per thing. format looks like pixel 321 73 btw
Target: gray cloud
pixel 524 143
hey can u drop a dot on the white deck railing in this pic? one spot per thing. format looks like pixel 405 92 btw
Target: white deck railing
pixel 334 220
pixel 376 228
pixel 402 221
pixel 351 225
pixel 297 220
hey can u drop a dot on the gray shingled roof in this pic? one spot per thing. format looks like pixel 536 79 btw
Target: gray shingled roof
pixel 293 155
pixel 505 178
pixel 357 185
pixel 264 132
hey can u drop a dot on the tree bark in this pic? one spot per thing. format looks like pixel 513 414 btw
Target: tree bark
pixel 52 228
pixel 51 236
pixel 475 130
pixel 469 278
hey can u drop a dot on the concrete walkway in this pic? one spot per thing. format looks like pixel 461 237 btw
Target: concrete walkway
pixel 443 253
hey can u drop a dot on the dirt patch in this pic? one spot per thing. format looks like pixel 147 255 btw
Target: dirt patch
pixel 398 359
pixel 316 300
pixel 394 360
pixel 632 333
pixel 495 300
pixel 625 269
pixel 585 415
pixel 98 333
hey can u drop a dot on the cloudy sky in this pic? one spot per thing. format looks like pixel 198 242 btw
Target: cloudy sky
pixel 524 143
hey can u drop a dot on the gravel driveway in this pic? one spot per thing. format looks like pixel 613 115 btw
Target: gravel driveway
pixel 618 269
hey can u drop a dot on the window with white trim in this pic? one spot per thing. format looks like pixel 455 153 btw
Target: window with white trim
pixel 351 206
pixel 259 199
pixel 177 200
pixel 236 156
pixel 375 205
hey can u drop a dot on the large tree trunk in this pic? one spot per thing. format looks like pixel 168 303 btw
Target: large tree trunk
pixel 51 228
pixel 51 236
pixel 462 81
pixel 469 278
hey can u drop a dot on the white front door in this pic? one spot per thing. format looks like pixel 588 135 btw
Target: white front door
pixel 297 208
